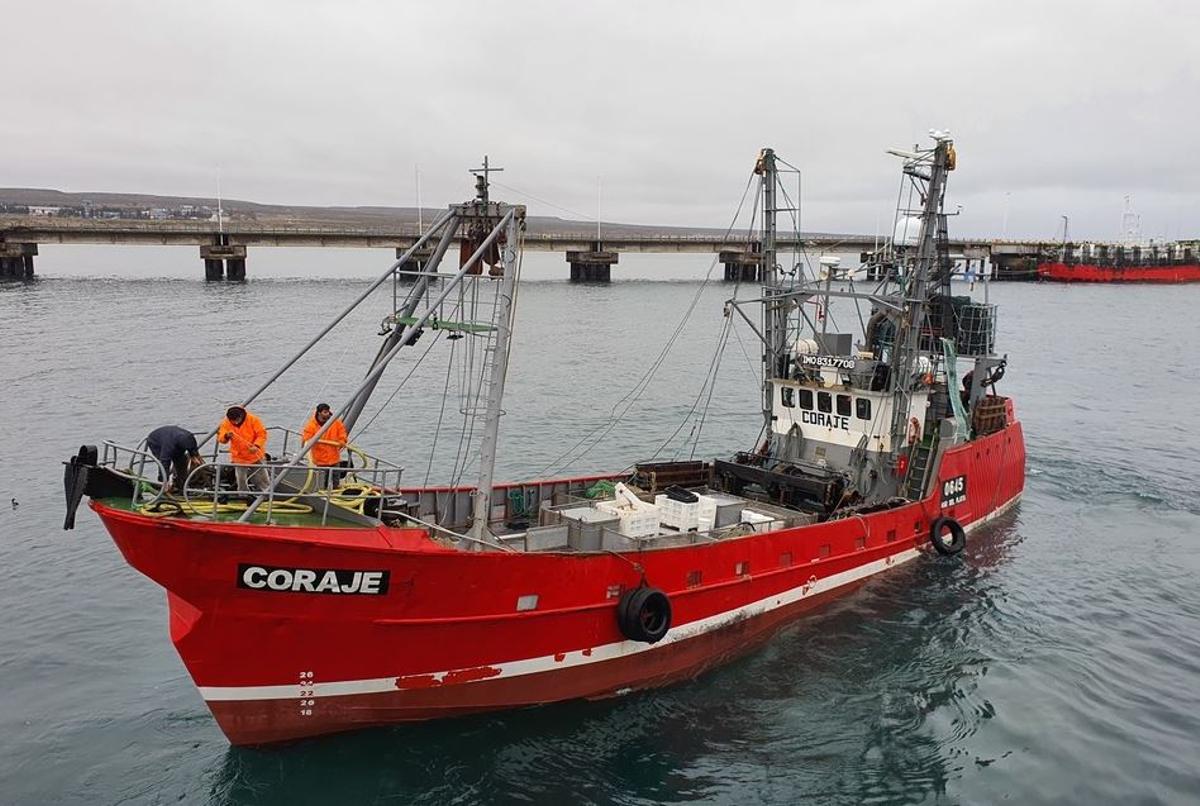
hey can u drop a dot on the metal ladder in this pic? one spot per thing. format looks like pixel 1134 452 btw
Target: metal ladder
pixel 918 471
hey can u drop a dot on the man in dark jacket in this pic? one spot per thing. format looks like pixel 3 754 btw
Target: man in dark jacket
pixel 175 448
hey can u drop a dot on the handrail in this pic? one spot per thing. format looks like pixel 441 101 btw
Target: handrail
pixel 369 484
pixel 111 459
pixel 378 480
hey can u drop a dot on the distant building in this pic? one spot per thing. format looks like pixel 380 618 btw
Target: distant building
pixel 35 209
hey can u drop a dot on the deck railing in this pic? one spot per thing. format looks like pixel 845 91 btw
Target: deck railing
pixel 365 486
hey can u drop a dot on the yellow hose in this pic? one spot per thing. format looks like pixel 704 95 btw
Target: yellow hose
pixel 352 496
pixel 167 508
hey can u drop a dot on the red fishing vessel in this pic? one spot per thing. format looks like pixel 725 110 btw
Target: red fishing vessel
pixel 300 610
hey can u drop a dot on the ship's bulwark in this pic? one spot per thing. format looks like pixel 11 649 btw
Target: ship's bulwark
pixel 444 635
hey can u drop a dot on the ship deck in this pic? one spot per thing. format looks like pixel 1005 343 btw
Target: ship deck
pixel 263 517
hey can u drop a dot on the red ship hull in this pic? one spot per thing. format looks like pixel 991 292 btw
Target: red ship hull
pixel 448 634
pixel 1091 273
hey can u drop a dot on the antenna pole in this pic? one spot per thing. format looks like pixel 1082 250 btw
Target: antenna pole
pixel 482 180
pixel 220 215
pixel 597 213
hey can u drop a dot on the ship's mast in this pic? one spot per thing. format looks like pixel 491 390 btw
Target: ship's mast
pixel 774 307
pixel 908 340
pixel 429 270
pixel 496 365
pixel 487 225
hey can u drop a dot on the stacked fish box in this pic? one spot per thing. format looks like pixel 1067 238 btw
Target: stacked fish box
pixel 677 514
pixel 696 516
pixel 636 518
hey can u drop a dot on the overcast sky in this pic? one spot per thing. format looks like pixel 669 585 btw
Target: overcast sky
pixel 1057 108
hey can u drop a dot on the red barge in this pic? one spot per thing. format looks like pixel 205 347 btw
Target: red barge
pixel 301 611
pixel 1092 273
pixel 1105 263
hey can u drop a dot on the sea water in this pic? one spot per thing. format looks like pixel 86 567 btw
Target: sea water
pixel 1057 660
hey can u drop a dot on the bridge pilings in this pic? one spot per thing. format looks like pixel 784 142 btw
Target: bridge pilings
pixel 1015 262
pixel 224 262
pixel 415 264
pixel 16 260
pixel 594 266
pixel 742 266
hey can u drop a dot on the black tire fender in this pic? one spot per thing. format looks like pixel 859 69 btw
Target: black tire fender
pixel 644 614
pixel 958 537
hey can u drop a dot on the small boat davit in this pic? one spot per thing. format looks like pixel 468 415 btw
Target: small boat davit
pixel 318 604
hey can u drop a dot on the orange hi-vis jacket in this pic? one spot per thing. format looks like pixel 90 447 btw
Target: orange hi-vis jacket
pixel 249 440
pixel 327 452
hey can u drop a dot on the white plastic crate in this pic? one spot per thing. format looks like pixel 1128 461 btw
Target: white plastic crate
pixel 641 522
pixel 677 514
pixel 759 521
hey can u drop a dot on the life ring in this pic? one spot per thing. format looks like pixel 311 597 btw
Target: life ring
pixel 958 538
pixel 644 614
pixel 914 430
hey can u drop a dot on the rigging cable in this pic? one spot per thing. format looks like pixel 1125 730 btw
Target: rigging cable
pixel 709 377
pixel 358 432
pixel 441 411
pixel 470 417
pixel 698 427
pixel 471 391
pixel 523 194
pixel 602 430
pixel 710 380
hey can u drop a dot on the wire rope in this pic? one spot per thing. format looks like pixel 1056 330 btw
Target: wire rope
pixel 524 194
pixel 625 403
pixel 713 363
pixel 360 431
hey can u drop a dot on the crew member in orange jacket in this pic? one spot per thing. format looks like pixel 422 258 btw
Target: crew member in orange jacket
pixel 247 440
pixel 327 453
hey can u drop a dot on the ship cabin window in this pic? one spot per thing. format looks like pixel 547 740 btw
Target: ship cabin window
pixel 787 396
pixel 862 408
pixel 806 401
pixel 824 402
pixel 843 405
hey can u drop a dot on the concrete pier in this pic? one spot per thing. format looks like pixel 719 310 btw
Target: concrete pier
pixel 742 266
pixel 224 262
pixel 16 260
pixel 1015 261
pixel 415 263
pixel 594 266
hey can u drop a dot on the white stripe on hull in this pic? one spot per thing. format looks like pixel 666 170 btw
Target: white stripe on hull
pixel 606 652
